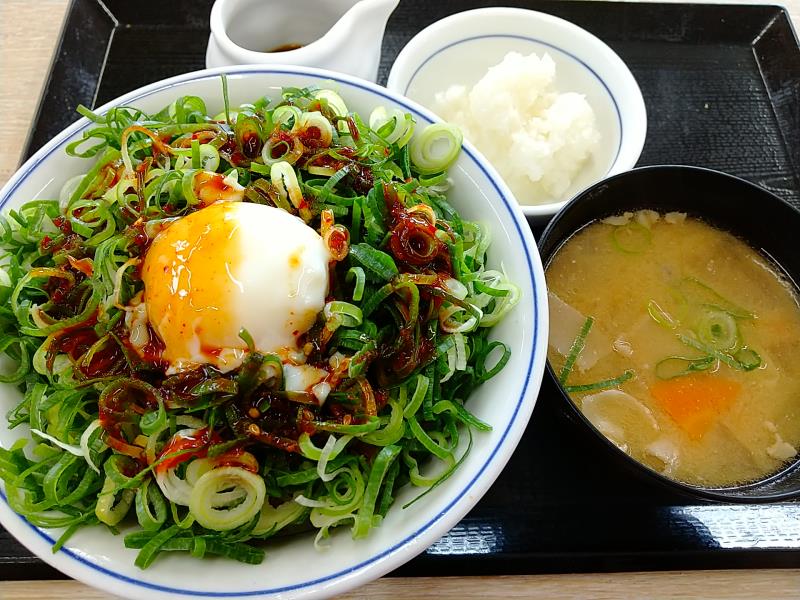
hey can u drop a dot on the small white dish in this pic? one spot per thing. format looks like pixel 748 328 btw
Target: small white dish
pixel 460 49
pixel 293 568
pixel 340 35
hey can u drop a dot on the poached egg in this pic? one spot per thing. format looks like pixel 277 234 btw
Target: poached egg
pixel 233 266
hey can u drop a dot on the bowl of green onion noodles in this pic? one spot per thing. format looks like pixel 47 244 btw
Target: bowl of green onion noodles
pixel 148 461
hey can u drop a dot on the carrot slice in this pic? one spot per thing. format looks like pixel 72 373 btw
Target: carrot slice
pixel 696 401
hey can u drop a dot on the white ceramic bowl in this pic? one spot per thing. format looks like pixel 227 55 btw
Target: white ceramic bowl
pixel 460 49
pixel 293 568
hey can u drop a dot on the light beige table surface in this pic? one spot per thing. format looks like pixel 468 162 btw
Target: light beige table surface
pixel 28 34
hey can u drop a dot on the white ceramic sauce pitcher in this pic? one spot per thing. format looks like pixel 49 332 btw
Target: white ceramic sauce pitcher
pixel 340 35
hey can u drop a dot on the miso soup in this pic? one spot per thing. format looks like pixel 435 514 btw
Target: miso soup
pixel 680 343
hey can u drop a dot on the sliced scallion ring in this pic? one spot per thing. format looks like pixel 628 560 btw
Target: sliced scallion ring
pixel 337 106
pixel 661 316
pixel 285 181
pixel 436 148
pixel 112 503
pixel 209 157
pixel 350 314
pixel 393 125
pixel 277 150
pixel 286 116
pixel 631 238
pixel 334 101
pixel 718 329
pixel 315 120
pixel 208 506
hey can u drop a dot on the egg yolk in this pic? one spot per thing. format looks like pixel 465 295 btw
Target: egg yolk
pixel 228 267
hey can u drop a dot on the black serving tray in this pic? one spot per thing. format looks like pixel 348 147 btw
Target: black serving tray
pixel 722 88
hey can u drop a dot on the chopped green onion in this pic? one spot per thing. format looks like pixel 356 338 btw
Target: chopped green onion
pixel 113 504
pixel 718 329
pixel 631 238
pixel 273 519
pixel 661 316
pixel 729 360
pixel 392 432
pixel 748 358
pixel 209 158
pixel 461 413
pixel 350 314
pixel 376 262
pixel 393 125
pixel 575 350
pixel 380 466
pixel 600 385
pixel 436 148
pixel 697 292
pixel 677 366
pixel 225 99
pixel 356 273
pixel 195 154
pixel 209 502
pixel 249 135
pixel 420 391
pixel 151 508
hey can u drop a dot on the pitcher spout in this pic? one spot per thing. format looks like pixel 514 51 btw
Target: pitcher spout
pixel 367 17
pixel 358 36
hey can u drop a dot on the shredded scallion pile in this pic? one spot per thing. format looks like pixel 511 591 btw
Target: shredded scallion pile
pixel 211 463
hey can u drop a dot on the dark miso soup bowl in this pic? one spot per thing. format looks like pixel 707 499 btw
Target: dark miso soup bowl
pixel 754 215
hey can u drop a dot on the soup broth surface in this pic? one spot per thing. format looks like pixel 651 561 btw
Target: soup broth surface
pixel 704 333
